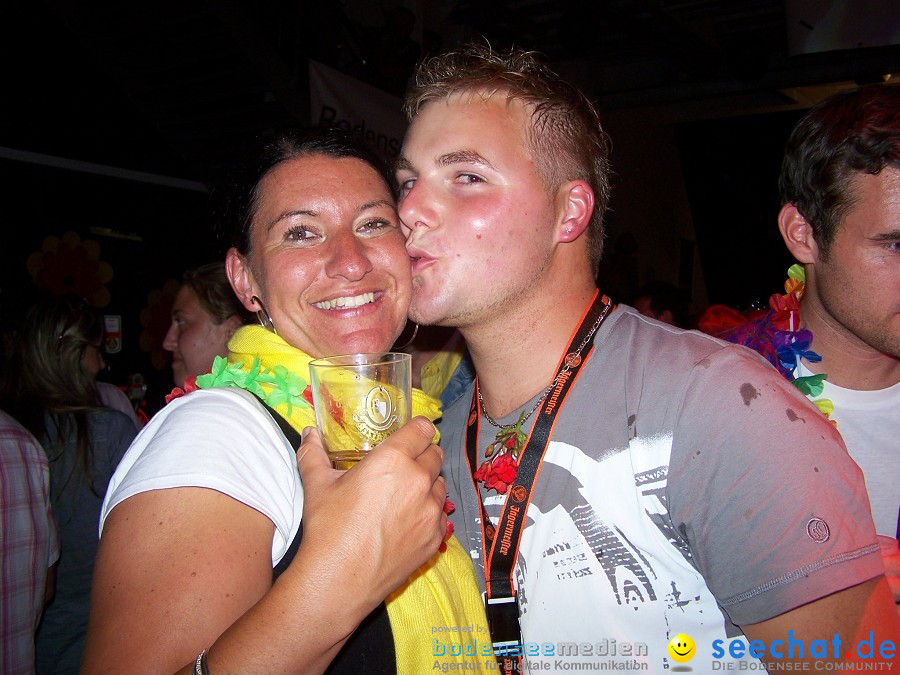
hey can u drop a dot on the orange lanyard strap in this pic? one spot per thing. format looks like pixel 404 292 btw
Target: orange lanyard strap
pixel 501 544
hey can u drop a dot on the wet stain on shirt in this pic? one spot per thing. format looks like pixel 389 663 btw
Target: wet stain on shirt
pixel 748 393
pixel 793 417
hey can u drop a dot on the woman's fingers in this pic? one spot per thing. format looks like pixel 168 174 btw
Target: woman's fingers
pixel 386 513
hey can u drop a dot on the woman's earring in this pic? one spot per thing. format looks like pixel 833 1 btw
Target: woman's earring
pixel 411 338
pixel 263 316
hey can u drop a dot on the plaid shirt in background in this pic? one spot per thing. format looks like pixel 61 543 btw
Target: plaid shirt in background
pixel 29 543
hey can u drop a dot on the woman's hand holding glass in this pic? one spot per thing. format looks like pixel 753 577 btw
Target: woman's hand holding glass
pixel 400 525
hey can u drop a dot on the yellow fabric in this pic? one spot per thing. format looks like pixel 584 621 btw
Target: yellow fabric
pixel 250 342
pixel 437 371
pixel 437 612
pixel 440 596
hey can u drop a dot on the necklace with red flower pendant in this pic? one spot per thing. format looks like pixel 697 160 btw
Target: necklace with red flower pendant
pixel 499 470
pixel 502 464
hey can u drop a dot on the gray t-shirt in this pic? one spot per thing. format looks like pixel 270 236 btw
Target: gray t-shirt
pixel 684 477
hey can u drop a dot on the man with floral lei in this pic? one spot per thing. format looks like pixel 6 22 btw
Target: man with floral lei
pixel 835 333
pixel 618 481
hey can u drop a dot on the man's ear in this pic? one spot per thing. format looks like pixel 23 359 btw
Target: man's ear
pixel 242 279
pixel 575 201
pixel 798 235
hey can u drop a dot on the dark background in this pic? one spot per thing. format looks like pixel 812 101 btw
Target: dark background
pixel 117 119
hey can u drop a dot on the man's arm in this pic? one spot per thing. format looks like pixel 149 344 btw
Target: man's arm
pixel 848 616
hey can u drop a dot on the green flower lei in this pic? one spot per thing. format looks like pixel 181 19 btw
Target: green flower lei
pixel 284 386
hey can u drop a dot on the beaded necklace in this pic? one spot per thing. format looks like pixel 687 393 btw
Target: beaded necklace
pixel 502 463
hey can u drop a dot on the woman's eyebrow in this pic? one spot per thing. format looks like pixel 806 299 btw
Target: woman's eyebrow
pixel 290 214
pixel 376 203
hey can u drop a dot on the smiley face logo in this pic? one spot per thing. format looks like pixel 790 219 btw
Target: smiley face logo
pixel 682 648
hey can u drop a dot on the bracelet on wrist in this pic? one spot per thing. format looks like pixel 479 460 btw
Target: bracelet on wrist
pixel 201 666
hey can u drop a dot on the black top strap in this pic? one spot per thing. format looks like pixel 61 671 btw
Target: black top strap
pixel 371 647
pixel 294 439
pixel 289 432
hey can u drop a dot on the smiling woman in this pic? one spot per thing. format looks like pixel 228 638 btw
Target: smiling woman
pixel 209 499
pixel 330 264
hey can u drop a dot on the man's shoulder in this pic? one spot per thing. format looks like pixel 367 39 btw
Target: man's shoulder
pixel 641 342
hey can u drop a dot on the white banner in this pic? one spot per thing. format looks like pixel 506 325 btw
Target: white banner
pixel 338 100
pixel 817 26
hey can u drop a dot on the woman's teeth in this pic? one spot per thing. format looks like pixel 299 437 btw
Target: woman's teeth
pixel 346 302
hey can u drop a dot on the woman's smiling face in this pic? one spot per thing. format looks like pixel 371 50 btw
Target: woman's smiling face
pixel 327 257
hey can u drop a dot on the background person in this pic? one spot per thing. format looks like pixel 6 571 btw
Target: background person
pixel 29 544
pixel 664 302
pixel 437 362
pixel 681 485
pixel 836 332
pixel 209 499
pixel 52 391
pixel 109 395
pixel 205 315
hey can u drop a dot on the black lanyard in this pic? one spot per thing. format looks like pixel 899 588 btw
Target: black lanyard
pixel 501 544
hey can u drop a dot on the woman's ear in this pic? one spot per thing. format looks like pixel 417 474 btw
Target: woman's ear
pixel 576 204
pixel 797 234
pixel 242 279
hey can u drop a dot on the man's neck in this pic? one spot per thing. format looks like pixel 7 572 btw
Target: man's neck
pixel 516 362
pixel 847 360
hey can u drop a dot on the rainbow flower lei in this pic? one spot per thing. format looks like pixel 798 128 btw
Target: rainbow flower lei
pixel 793 343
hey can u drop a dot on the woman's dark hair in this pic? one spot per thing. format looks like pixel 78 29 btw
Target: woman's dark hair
pixel 210 284
pixel 49 391
pixel 241 200
pixel 846 134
